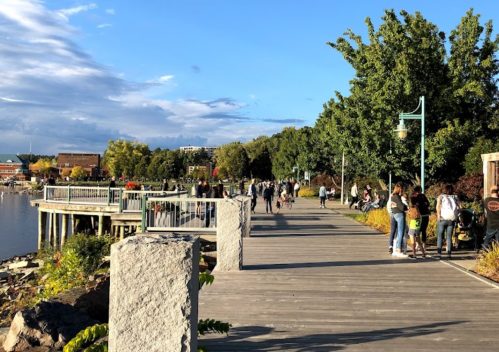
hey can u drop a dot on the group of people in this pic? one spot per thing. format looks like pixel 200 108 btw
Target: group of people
pixel 267 189
pixel 448 211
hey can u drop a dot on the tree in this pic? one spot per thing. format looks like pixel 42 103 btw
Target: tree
pixel 234 158
pixel 66 172
pixel 260 162
pixel 78 173
pixel 122 156
pixel 42 166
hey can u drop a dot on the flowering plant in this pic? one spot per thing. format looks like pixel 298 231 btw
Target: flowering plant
pixel 132 186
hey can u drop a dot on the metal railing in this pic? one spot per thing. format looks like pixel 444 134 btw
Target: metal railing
pixel 179 214
pixel 132 201
pixel 81 195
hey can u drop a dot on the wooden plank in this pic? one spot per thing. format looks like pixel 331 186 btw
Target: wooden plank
pixel 314 280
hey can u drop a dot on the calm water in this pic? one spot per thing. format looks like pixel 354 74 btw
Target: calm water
pixel 18 225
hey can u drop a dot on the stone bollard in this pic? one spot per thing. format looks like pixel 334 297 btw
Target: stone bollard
pixel 154 294
pixel 229 235
pixel 247 213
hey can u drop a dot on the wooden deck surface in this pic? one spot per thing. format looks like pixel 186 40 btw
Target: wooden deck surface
pixel 314 280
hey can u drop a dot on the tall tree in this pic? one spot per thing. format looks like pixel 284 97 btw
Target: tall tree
pixel 234 158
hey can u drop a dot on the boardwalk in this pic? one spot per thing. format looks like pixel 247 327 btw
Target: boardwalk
pixel 314 280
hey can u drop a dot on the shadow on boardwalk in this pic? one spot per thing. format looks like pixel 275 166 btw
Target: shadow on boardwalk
pixel 329 264
pixel 238 338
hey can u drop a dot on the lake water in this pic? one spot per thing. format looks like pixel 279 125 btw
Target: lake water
pixel 18 225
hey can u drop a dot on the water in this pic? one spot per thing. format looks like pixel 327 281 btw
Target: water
pixel 18 225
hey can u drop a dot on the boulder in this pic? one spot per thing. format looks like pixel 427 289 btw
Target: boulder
pixel 22 264
pixel 50 325
pixel 4 275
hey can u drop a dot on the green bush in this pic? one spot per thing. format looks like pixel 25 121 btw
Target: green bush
pixel 36 187
pixel 80 257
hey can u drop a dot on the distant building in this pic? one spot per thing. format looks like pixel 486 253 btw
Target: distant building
pixel 209 150
pixel 89 162
pixel 207 168
pixel 13 166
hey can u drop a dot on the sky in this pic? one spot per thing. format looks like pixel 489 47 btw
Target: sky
pixel 76 74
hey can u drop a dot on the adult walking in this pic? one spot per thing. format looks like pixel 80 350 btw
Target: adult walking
pixel 297 189
pixel 419 199
pixel 241 186
pixel 448 209
pixel 267 197
pixel 112 184
pixel 322 196
pixel 354 192
pixel 220 188
pixel 491 207
pixel 252 194
pixel 398 210
pixel 165 186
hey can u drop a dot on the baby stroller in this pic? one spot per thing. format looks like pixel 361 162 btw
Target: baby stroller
pixel 466 230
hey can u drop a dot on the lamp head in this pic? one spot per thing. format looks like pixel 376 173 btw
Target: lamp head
pixel 401 130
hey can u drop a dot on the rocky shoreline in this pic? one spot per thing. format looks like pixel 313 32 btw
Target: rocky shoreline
pixel 27 191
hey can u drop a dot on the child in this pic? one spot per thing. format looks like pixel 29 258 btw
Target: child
pixel 415 231
pixel 277 205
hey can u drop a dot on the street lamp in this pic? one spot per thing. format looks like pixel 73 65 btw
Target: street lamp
pixel 402 131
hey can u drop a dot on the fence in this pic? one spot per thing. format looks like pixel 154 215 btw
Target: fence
pixel 81 195
pixel 174 214
pixel 132 201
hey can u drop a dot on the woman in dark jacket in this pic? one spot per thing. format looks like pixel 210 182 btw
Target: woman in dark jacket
pixel 398 210
pixel 419 199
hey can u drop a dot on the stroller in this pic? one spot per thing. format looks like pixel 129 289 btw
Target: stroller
pixel 466 230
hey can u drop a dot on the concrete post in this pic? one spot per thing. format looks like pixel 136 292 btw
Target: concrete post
pixel 100 232
pixel 154 294
pixel 247 213
pixel 229 235
pixel 64 230
pixel 122 232
pixel 42 228
pixel 51 229
pixel 56 231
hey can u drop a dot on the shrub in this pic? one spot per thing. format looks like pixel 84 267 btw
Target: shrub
pixel 80 257
pixel 313 192
pixel 487 263
pixel 470 187
pixel 36 187
pixel 320 179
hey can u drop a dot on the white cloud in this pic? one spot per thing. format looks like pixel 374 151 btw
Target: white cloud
pixel 58 96
pixel 104 25
pixel 78 9
pixel 110 11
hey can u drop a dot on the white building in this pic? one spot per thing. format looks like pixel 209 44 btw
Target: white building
pixel 209 150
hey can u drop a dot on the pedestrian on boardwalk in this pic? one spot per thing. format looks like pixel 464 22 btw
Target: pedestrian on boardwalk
pixel 252 194
pixel 297 189
pixel 448 209
pixel 419 199
pixel 398 210
pixel 165 185
pixel 241 186
pixel 491 207
pixel 354 192
pixel 112 184
pixel 415 231
pixel 322 196
pixel 199 194
pixel 267 197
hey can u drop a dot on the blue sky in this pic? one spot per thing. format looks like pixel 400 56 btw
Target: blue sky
pixel 75 74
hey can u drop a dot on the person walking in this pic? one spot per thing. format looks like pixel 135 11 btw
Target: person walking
pixel 354 192
pixel 220 187
pixel 322 195
pixel 491 207
pixel 448 209
pixel 199 194
pixel 419 199
pixel 267 197
pixel 252 194
pixel 415 231
pixel 297 189
pixel 241 186
pixel 398 210
pixel 393 225
pixel 112 184
pixel 165 186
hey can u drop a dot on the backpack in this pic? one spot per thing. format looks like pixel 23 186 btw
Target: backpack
pixel 448 208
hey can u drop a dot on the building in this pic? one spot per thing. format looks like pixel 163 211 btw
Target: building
pixel 13 166
pixel 209 150
pixel 89 162
pixel 490 172
pixel 207 168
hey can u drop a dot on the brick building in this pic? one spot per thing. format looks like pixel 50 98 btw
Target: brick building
pixel 89 162
pixel 13 166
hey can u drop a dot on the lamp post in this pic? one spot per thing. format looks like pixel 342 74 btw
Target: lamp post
pixel 402 131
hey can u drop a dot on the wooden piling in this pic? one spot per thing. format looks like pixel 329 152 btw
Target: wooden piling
pixel 100 231
pixel 42 228
pixel 64 230
pixel 56 231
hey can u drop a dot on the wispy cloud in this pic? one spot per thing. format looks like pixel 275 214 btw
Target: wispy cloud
pixel 110 11
pixel 56 94
pixel 104 25
pixel 74 10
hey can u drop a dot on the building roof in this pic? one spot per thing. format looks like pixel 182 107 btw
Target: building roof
pixel 14 159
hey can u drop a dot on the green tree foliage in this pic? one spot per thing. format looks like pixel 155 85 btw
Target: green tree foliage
pixel 234 158
pixel 260 162
pixel 473 160
pixel 121 157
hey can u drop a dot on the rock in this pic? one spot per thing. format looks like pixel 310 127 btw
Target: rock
pixel 3 334
pixel 45 277
pixel 4 275
pixel 23 264
pixel 28 275
pixel 49 324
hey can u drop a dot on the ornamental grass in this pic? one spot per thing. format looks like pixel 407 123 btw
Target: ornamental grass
pixel 487 263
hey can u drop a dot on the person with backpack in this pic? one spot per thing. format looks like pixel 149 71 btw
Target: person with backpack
pixel 267 197
pixel 448 208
